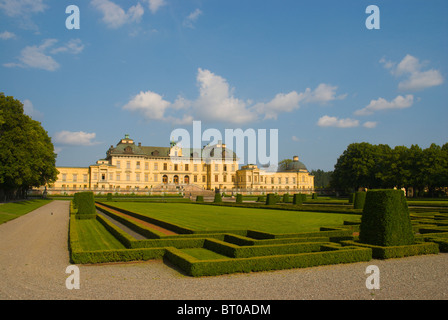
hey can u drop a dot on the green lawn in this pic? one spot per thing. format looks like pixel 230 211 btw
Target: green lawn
pixel 12 210
pixel 208 217
pixel 94 236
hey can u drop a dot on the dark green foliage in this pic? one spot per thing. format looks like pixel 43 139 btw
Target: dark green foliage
pixel 314 195
pixel 199 198
pixel 218 198
pixel 297 199
pixel 109 197
pixel 239 198
pixel 271 199
pixel 304 198
pixel 351 198
pixel 286 197
pixel 385 219
pixel 359 200
pixel 85 203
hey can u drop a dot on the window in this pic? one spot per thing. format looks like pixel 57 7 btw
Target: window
pixel 294 180
pixel 111 176
pixel 204 178
pixel 85 177
pixel 279 180
pixel 156 166
pixel 233 167
pixel 216 167
pixel 118 177
pixel 175 167
pixel 187 167
pixel 195 167
pixel 155 177
pixel 146 177
pixel 118 165
pixel 195 178
pixel 138 165
pixel 165 166
pixel 286 180
pixel 272 180
pixel 128 177
pixel 137 176
pixel 64 177
pixel 224 178
pixel 95 176
pixel 216 178
pixel 128 164
pixel 165 179
pixel 233 178
pixel 224 168
pixel 146 166
pixel 75 177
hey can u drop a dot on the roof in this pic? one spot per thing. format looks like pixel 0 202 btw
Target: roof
pixel 295 166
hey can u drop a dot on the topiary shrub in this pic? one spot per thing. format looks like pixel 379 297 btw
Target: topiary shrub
pixel 86 205
pixel 304 198
pixel 199 198
pixel 109 197
pixel 271 199
pixel 315 196
pixel 385 219
pixel 286 197
pixel 297 199
pixel 360 199
pixel 351 198
pixel 239 198
pixel 218 198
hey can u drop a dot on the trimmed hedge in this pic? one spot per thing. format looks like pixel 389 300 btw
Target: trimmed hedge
pixel 314 197
pixel 286 198
pixel 359 200
pixel 195 267
pixel 199 198
pixel 388 252
pixel 297 199
pixel 385 219
pixel 85 203
pixel 271 199
pixel 239 198
pixel 218 198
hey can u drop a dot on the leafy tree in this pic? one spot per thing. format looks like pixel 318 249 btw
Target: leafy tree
pixel 321 178
pixel 27 157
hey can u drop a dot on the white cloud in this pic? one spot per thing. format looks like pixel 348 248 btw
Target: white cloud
pixel 327 121
pixel 294 138
pixel 411 69
pixel 155 5
pixel 370 124
pixel 323 94
pixel 114 16
pixel 29 110
pixel 79 138
pixel 38 57
pixel 216 101
pixel 380 104
pixel 23 9
pixel 7 35
pixel 192 18
pixel 148 103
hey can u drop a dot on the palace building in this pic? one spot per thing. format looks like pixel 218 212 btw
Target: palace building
pixel 130 167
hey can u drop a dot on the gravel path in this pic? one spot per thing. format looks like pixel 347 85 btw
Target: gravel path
pixel 34 257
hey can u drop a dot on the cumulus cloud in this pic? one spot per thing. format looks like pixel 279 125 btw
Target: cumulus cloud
pixel 192 18
pixel 410 68
pixel 7 35
pixel 381 104
pixel 115 16
pixel 79 138
pixel 327 121
pixel 216 102
pixel 24 9
pixel 370 124
pixel 29 110
pixel 39 57
pixel 155 5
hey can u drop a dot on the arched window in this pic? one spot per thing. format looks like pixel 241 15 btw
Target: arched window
pixel 176 179
pixel 186 179
pixel 165 179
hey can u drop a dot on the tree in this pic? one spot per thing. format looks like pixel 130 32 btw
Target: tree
pixel 27 157
pixel 321 178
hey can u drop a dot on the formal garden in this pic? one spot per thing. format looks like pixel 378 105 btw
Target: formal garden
pixel 208 238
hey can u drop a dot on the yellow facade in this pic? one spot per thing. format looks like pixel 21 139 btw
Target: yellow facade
pixel 130 167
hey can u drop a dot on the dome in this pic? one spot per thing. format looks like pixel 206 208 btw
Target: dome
pixel 295 165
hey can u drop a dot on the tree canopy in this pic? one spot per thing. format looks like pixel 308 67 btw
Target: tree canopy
pixel 380 166
pixel 27 157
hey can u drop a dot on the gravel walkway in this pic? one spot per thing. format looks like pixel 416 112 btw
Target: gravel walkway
pixel 34 257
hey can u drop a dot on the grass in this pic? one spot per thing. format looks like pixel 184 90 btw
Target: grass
pixel 94 236
pixel 12 210
pixel 207 217
pixel 203 254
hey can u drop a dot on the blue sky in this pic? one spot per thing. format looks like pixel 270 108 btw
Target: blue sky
pixel 310 69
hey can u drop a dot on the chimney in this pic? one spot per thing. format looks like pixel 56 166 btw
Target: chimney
pixel 139 144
